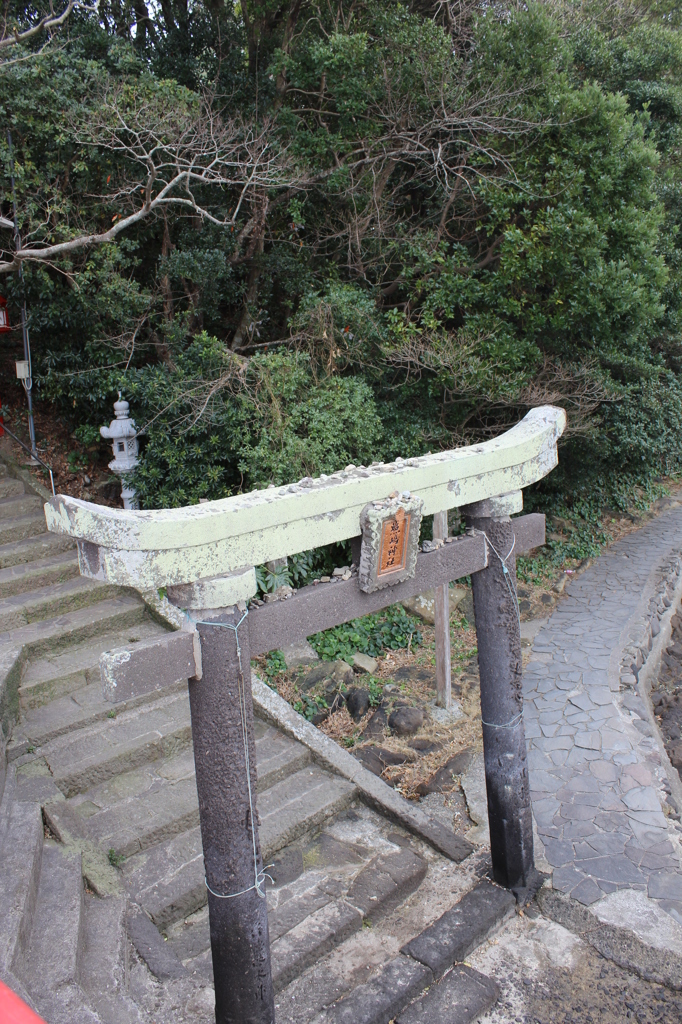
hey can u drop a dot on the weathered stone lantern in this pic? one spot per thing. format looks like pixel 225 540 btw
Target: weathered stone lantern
pixel 123 435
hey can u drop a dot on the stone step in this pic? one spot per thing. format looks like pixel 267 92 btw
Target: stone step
pixel 168 879
pixel 20 858
pixel 311 914
pixel 46 602
pixel 462 997
pixel 10 488
pixel 43 545
pixel 18 505
pixel 52 958
pixel 53 635
pixel 100 751
pixel 428 982
pixel 103 974
pixel 51 678
pixel 150 805
pixel 12 530
pixel 20 579
pixel 378 888
pixel 77 710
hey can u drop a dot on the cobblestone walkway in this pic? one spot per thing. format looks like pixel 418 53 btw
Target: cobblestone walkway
pixel 597 777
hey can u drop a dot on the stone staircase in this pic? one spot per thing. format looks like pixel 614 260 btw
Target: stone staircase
pixel 103 913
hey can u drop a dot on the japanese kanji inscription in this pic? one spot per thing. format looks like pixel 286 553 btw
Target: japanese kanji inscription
pixel 390 540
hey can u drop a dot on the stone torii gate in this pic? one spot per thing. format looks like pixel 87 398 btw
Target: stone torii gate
pixel 203 558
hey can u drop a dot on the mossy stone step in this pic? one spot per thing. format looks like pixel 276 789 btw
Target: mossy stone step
pixel 107 748
pixel 10 488
pixel 46 602
pixel 21 527
pixel 23 578
pixel 48 636
pixel 31 549
pixel 168 879
pixel 54 948
pixel 18 505
pixel 140 808
pixel 77 710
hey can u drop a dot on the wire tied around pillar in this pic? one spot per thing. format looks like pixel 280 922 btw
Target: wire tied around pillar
pixel 259 876
pixel 512 593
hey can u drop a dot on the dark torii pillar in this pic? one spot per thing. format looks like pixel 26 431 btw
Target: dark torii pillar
pixel 225 758
pixel 499 659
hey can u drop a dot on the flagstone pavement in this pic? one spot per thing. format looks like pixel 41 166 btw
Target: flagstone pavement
pixel 598 771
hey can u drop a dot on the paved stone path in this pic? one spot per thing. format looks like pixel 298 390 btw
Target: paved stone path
pixel 597 773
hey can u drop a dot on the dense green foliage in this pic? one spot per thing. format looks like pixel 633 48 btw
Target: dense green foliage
pixel 391 629
pixel 468 210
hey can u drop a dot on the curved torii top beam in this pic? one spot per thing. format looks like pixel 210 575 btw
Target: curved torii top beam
pixel 165 547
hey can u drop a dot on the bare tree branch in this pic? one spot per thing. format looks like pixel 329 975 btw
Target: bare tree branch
pixel 49 23
pixel 170 154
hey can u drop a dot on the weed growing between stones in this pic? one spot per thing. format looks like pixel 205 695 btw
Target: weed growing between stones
pixel 115 859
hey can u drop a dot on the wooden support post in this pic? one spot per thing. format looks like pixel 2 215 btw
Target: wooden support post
pixel 499 660
pixel 225 759
pixel 442 623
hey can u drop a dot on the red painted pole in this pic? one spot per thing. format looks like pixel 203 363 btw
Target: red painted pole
pixel 14 1010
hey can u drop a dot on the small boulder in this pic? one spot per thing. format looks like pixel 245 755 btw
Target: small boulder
pixel 333 696
pixel 443 780
pixel 357 702
pixel 363 663
pixel 414 673
pixel 369 759
pixel 406 721
pixel 424 605
pixel 377 725
pixel 339 672
pixel 316 675
pixel 465 606
pixel 424 746
pixel 299 654
pixel 375 759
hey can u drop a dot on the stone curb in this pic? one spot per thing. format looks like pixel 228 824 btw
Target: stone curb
pixel 618 944
pixel 644 639
pixel 461 929
pixel 373 790
pixel 648 673
pixel 461 997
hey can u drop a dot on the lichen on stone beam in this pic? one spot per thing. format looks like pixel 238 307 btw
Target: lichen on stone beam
pixel 158 548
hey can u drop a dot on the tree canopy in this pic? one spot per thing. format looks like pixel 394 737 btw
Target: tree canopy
pixel 300 234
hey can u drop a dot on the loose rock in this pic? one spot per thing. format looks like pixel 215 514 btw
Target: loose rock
pixel 424 605
pixel 363 663
pixel 375 759
pixel 423 746
pixel 377 724
pixel 357 702
pixel 299 654
pixel 444 779
pixel 339 672
pixel 406 721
